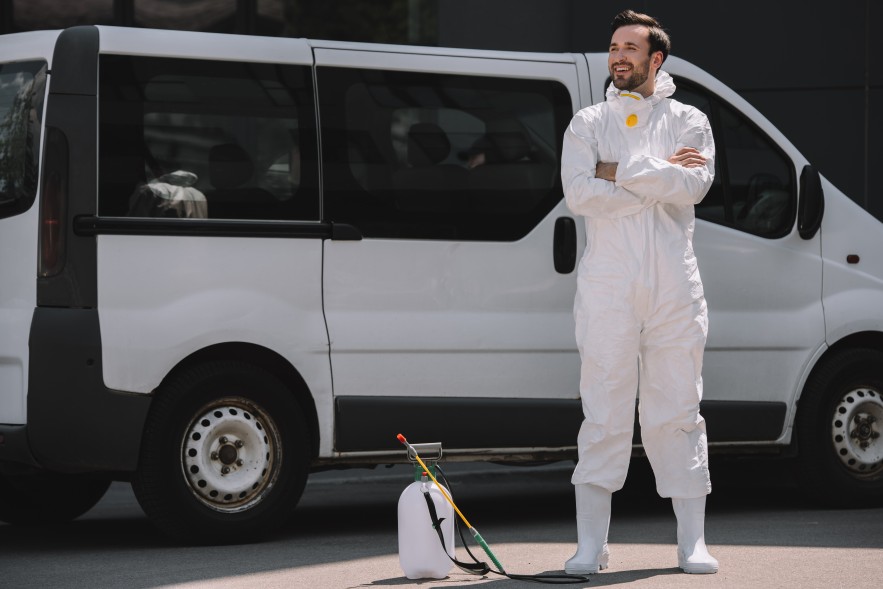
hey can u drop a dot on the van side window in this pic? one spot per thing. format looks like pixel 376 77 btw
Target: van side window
pixel 435 156
pixel 754 186
pixel 183 138
pixel 22 90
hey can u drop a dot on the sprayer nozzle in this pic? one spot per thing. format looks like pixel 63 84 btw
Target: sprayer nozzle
pixel 402 439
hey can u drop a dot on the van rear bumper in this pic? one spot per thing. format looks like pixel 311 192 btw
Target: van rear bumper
pixel 76 424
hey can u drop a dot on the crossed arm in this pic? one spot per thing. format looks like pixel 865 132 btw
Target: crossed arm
pixel 594 188
pixel 689 157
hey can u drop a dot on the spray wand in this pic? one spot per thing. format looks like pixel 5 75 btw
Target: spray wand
pixel 472 530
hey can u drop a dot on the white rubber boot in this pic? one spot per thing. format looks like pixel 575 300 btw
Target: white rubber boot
pixel 693 556
pixel 592 523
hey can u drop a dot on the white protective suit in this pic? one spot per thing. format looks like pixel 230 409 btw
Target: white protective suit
pixel 170 195
pixel 640 310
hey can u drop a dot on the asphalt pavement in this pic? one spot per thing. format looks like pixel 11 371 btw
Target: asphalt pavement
pixel 344 535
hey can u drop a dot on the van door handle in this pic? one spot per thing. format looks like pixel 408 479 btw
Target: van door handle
pixel 564 245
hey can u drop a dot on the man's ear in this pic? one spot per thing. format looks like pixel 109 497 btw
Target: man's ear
pixel 656 59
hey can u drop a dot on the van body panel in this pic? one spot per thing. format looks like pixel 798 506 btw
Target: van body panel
pixel 852 289
pixel 762 330
pixel 153 318
pixel 584 77
pixel 411 331
pixel 18 293
pixel 218 295
pixel 209 46
pixel 449 317
pixel 561 70
pixel 598 76
pixel 29 45
pixel 18 255
pixel 373 51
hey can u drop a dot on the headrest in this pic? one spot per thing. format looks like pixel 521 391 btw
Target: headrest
pixel 229 166
pixel 427 144
pixel 509 140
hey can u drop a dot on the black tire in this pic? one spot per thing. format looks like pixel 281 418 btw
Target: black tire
pixel 839 427
pixel 48 498
pixel 224 457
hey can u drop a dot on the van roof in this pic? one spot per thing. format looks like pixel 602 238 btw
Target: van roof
pixel 28 45
pixel 229 46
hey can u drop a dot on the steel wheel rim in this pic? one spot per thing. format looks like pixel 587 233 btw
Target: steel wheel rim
pixel 231 454
pixel 856 432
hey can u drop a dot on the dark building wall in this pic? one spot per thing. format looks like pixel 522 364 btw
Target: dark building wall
pixel 810 66
pixel 874 131
pixel 513 25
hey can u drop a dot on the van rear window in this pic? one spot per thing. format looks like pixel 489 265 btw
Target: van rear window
pixel 22 89
pixel 203 139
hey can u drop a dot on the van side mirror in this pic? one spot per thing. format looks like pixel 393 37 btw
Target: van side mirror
pixel 811 205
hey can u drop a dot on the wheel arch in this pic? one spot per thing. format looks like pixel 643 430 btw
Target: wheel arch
pixel 861 339
pixel 265 359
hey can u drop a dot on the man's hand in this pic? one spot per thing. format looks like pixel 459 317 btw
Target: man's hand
pixel 606 171
pixel 689 157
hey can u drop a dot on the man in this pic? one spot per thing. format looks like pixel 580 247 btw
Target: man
pixel 634 166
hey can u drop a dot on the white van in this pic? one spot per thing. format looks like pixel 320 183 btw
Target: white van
pixel 227 261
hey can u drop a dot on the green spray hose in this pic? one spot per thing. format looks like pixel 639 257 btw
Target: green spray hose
pixel 472 530
pixel 485 547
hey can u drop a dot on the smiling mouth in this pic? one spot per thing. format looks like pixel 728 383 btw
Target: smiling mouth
pixel 621 69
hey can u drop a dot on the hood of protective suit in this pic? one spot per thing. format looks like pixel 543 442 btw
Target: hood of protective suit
pixel 177 178
pixel 634 109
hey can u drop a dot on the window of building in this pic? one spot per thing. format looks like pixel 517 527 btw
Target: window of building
pixel 32 15
pixel 432 156
pixel 205 139
pixel 22 90
pixel 217 16
pixel 270 18
pixel 754 187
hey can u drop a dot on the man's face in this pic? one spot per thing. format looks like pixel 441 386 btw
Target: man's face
pixel 630 62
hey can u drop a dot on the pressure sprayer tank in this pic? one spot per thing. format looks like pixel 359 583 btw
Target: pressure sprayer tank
pixel 420 551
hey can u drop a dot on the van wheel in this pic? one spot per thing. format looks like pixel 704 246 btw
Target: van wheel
pixel 224 457
pixel 47 497
pixel 839 427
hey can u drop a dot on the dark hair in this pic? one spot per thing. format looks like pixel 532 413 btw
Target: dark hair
pixel 659 40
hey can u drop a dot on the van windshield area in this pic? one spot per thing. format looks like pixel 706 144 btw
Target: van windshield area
pixel 22 88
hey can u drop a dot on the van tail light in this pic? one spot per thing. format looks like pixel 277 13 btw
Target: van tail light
pixel 53 204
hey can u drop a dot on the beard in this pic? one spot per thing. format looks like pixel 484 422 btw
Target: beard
pixel 639 75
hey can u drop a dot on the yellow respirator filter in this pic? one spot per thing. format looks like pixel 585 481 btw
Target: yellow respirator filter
pixel 632 119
